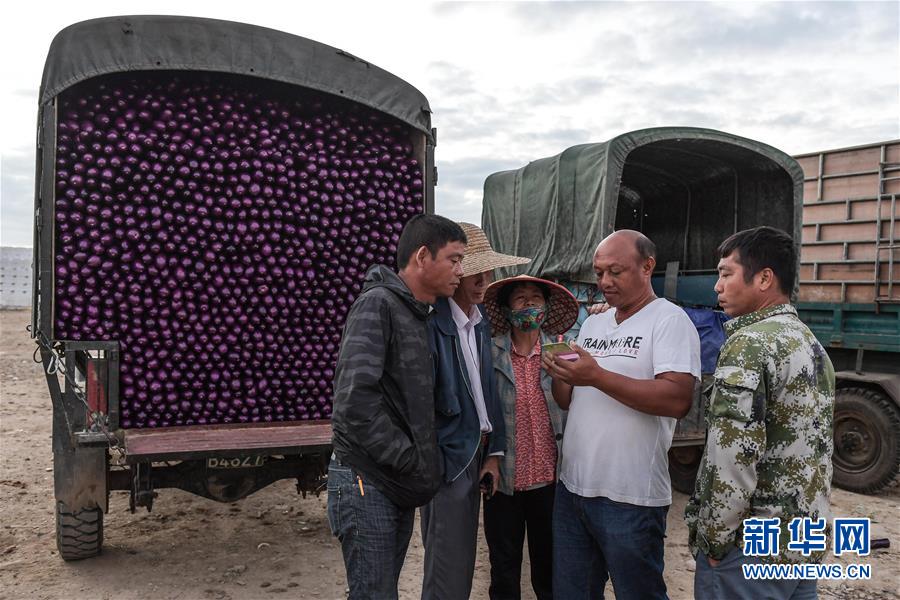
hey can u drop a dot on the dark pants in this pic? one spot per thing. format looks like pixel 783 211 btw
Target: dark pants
pixel 596 539
pixel 450 536
pixel 373 531
pixel 726 580
pixel 506 520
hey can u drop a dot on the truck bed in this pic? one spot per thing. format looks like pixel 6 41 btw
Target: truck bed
pixel 201 441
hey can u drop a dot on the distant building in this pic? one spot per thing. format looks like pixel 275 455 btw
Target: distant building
pixel 15 277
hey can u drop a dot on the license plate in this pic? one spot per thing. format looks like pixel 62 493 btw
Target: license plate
pixel 240 462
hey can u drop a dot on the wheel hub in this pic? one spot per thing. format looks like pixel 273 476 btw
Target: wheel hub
pixel 852 441
pixel 856 449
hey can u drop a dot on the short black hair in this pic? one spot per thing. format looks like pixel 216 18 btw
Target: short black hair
pixel 764 247
pixel 432 231
pixel 507 290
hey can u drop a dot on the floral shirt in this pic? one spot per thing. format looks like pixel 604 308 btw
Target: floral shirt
pixel 535 441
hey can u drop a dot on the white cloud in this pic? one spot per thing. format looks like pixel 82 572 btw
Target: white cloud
pixel 512 82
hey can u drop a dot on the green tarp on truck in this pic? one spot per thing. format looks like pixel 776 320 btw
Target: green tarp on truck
pixel 686 188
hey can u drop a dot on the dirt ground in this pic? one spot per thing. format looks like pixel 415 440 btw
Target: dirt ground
pixel 272 544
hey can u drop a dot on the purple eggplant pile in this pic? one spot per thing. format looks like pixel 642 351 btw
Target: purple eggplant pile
pixel 219 228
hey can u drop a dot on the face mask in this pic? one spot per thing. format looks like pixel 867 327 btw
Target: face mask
pixel 526 319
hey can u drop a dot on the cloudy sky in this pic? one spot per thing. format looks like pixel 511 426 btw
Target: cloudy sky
pixel 511 82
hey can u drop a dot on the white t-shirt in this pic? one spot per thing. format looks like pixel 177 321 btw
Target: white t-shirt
pixel 612 450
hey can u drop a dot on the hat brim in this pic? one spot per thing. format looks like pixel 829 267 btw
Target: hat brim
pixel 563 306
pixel 488 261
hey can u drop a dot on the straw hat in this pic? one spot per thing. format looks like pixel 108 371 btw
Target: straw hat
pixel 563 305
pixel 480 257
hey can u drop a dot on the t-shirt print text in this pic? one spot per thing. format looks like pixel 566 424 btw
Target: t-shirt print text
pixel 627 347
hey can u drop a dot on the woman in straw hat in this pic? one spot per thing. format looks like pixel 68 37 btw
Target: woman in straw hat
pixel 526 312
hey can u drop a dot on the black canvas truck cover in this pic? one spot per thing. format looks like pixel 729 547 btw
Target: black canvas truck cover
pixel 151 43
pixel 556 210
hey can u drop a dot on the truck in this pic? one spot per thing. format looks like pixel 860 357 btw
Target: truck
pixel 850 297
pixel 209 195
pixel 690 188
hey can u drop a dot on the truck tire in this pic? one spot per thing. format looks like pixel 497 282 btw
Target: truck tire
pixel 866 440
pixel 79 534
pixel 684 461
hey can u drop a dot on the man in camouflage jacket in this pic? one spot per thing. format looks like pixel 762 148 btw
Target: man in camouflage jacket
pixel 770 421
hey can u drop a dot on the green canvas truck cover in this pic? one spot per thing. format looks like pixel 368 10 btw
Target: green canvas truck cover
pixel 686 188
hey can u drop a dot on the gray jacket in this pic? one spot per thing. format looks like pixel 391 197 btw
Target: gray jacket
pixel 506 389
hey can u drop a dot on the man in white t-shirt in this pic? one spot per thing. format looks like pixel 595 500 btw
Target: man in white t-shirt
pixel 635 375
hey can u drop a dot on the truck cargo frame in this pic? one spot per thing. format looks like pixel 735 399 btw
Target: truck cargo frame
pixel 92 453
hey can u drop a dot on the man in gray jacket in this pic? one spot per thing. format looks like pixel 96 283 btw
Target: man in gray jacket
pixel 386 459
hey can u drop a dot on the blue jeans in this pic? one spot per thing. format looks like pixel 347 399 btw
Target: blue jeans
pixel 373 531
pixel 596 539
pixel 726 580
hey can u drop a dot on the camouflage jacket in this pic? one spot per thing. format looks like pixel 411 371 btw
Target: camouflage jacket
pixel 769 434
